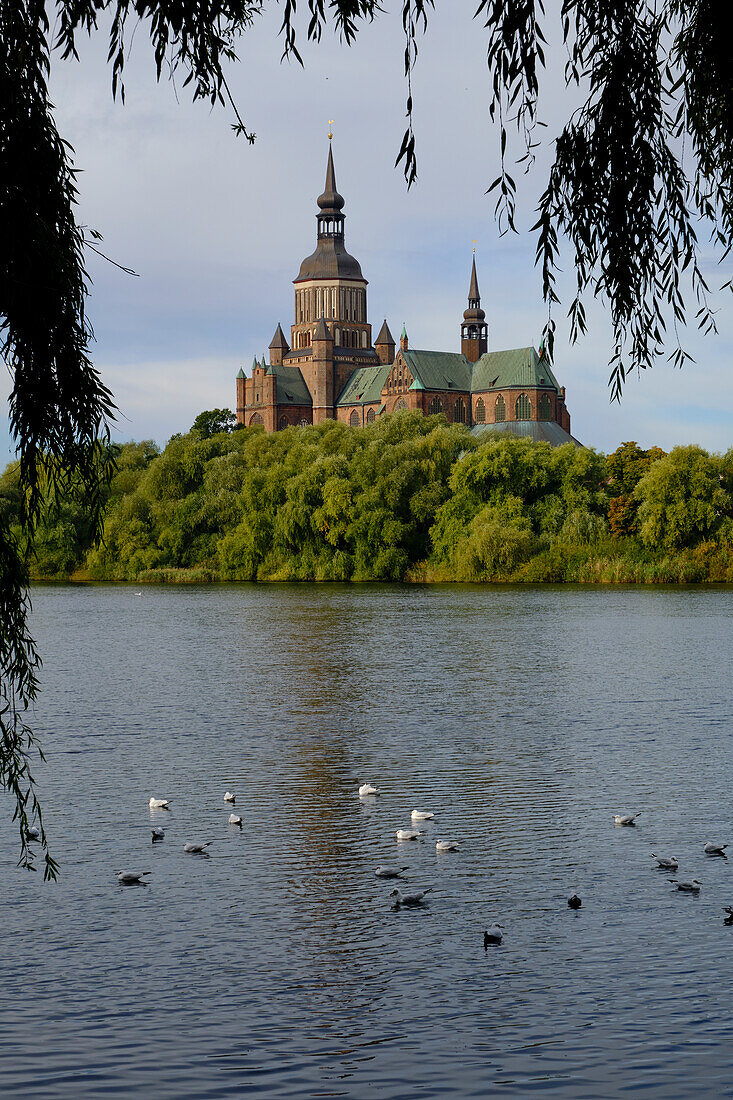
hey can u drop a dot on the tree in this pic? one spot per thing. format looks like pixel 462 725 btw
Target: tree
pixel 656 79
pixel 682 498
pixel 211 421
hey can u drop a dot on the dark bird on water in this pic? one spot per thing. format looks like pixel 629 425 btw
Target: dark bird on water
pixel 729 918
pixel 493 935
pixel 574 902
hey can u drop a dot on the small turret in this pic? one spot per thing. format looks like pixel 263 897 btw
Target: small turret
pixel 279 347
pixel 384 345
pixel 404 343
pixel 474 330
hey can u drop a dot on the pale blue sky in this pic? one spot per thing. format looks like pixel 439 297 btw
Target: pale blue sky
pixel 217 228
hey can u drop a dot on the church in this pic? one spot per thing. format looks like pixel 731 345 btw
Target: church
pixel 331 370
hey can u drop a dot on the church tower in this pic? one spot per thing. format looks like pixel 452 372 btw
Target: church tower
pixel 330 284
pixel 474 330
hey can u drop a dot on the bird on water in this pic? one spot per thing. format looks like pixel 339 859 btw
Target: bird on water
pixel 729 918
pixel 574 901
pixel 131 878
pixel 197 849
pixel 229 797
pixel 389 872
pixel 625 819
pixel 235 820
pixel 367 788
pixel 422 815
pixel 711 849
pixel 413 898
pixel 159 803
pixel 493 935
pixel 447 846
pixel 666 863
pixel 408 834
pixel 158 834
pixel 691 887
pixel 33 833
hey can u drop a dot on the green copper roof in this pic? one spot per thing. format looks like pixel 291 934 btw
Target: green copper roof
pixel 516 367
pixel 365 385
pixel 537 430
pixel 439 370
pixel 240 373
pixel 290 386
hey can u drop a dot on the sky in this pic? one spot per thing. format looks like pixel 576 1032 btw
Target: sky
pixel 216 228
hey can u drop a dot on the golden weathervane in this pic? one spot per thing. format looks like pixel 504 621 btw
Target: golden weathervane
pixel 330 129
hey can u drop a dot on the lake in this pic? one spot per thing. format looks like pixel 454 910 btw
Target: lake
pixel 523 717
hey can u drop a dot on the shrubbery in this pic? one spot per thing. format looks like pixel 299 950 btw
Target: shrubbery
pixel 405 498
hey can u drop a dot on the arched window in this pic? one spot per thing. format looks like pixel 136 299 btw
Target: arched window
pixel 499 410
pixel 256 419
pixel 480 411
pixel 354 419
pixel 337 337
pixel 523 407
pixel 282 423
pixel 370 416
pixel 459 411
pixel 363 340
pixel 545 407
pixel 401 404
pixel 436 406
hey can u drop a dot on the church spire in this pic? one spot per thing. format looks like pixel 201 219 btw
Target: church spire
pixel 474 330
pixel 330 204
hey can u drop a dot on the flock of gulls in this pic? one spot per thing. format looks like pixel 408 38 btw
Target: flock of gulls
pixel 414 898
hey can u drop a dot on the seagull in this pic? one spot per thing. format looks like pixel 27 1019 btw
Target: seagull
pixel 33 833
pixel 159 804
pixel 574 902
pixel 229 797
pixel 711 849
pixel 138 593
pixel 367 788
pixel 414 898
pixel 625 819
pixel 691 887
pixel 197 849
pixel 131 878
pixel 158 834
pixel 729 918
pixel 408 834
pixel 422 815
pixel 447 846
pixel 234 820
pixel 389 872
pixel 666 864
pixel 493 935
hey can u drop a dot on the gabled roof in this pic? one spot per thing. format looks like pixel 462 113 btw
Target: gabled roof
pixel 439 370
pixel 515 367
pixel 290 386
pixel 365 385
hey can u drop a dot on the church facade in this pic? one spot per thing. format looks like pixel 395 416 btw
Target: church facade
pixel 331 370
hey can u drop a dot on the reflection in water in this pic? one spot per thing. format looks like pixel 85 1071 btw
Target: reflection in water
pixel 524 717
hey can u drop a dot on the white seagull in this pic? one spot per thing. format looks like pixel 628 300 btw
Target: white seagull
pixel 422 815
pixel 625 819
pixel 367 788
pixel 33 833
pixel 666 863
pixel 131 878
pixel 408 834
pixel 159 803
pixel 197 849
pixel 413 898
pixel 691 887
pixel 389 872
pixel 158 834
pixel 447 846
pixel 229 797
pixel 234 820
pixel 493 934
pixel 711 849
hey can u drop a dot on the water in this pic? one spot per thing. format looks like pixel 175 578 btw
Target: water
pixel 525 717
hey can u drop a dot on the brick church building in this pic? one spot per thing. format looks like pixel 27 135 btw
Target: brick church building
pixel 331 370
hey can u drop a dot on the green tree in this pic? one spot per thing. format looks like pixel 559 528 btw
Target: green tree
pixel 212 421
pixel 682 499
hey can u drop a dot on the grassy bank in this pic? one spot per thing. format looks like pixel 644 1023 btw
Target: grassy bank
pixel 406 498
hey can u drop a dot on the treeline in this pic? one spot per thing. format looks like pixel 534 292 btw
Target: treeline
pixel 406 498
